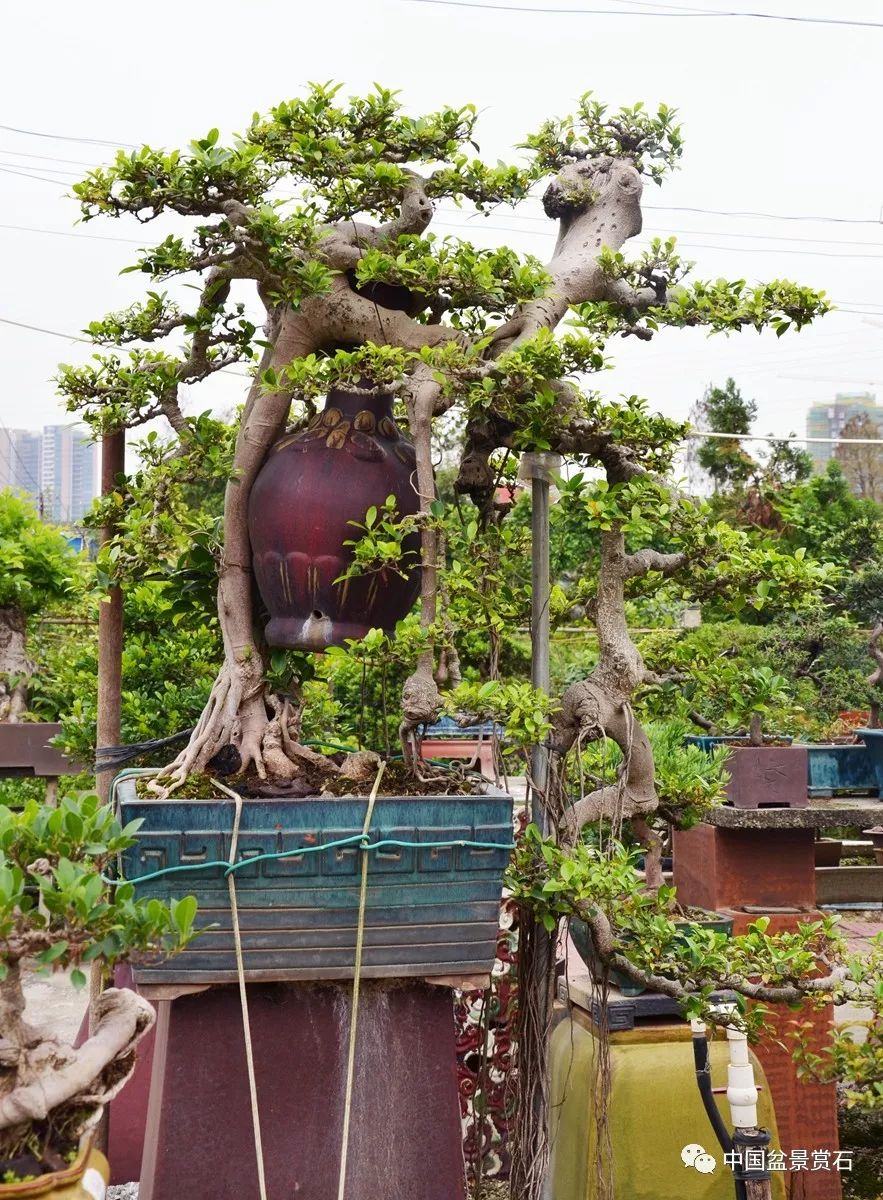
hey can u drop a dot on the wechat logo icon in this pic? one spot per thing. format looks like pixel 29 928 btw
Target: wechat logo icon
pixel 695 1156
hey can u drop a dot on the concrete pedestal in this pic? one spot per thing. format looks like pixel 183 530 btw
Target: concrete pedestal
pixel 405 1138
pixel 764 862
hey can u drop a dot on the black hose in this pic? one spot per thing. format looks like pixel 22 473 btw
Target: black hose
pixel 703 1079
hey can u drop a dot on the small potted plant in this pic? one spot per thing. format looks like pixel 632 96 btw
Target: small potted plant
pixel 765 770
pixel 59 912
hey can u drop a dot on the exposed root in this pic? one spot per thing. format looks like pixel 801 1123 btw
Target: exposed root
pixel 262 727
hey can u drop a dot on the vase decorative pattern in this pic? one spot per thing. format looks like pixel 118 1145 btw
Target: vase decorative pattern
pixel 314 484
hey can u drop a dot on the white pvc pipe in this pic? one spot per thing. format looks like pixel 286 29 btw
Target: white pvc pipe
pixel 741 1088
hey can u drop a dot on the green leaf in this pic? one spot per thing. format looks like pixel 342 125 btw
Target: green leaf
pixel 53 953
pixel 78 978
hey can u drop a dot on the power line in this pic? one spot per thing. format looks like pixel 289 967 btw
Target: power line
pixel 686 13
pixel 76 162
pixel 68 337
pixel 49 170
pixel 62 137
pixel 28 175
pixel 95 237
pixel 550 233
pixel 520 216
pixel 723 212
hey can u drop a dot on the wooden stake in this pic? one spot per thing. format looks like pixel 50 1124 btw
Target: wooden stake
pixel 110 622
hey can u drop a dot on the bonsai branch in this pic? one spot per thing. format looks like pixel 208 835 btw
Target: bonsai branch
pixel 605 943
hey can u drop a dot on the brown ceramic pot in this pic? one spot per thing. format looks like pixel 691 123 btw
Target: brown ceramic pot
pixel 313 485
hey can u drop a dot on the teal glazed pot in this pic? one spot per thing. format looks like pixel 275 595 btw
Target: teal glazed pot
pixel 873 739
pixel 433 896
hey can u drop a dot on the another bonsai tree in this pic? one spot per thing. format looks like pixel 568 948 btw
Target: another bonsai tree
pixel 38 570
pixel 749 695
pixel 59 912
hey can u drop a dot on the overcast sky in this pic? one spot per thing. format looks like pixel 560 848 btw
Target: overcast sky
pixel 779 118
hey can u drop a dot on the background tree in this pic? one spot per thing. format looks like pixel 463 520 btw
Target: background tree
pixel 862 465
pixel 725 410
pixel 39 569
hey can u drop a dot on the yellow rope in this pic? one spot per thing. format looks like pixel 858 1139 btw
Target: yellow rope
pixel 357 975
pixel 243 994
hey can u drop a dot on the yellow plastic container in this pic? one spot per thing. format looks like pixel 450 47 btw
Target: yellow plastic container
pixel 85 1179
pixel 655 1112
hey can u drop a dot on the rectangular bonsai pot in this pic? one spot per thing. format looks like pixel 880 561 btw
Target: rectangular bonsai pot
pixel 765 776
pixel 430 911
pixel 768 777
pixel 834 769
pixel 873 739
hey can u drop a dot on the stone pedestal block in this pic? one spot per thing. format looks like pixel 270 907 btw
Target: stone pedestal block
pixel 405 1138
pixel 719 868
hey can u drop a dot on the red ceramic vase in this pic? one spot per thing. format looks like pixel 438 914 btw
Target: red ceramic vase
pixel 313 484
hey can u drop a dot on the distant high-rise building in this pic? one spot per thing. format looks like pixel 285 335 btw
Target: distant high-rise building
pixel 827 421
pixel 69 479
pixel 58 469
pixel 20 461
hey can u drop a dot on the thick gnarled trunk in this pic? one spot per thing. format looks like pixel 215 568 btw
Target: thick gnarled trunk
pixel 42 1077
pixel 15 666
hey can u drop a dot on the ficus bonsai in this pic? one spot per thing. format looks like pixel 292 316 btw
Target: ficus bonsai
pixel 59 912
pixel 480 337
pixel 319 208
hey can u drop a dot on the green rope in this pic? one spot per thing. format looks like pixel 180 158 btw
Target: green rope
pixel 356 839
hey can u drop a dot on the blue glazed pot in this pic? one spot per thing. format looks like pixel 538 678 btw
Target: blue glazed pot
pixel 431 910
pixel 835 769
pixel 873 739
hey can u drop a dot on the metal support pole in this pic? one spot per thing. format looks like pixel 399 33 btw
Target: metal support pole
pixel 110 623
pixel 539 467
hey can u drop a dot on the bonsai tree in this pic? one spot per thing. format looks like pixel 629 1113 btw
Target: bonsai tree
pixel 750 695
pixel 477 337
pixel 324 209
pixel 38 570
pixel 58 912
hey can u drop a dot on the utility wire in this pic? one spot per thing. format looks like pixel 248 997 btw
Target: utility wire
pixel 49 170
pixel 550 233
pixel 68 337
pixel 715 212
pixel 778 237
pixel 608 12
pixel 757 437
pixel 28 175
pixel 95 237
pixel 76 162
pixel 62 137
